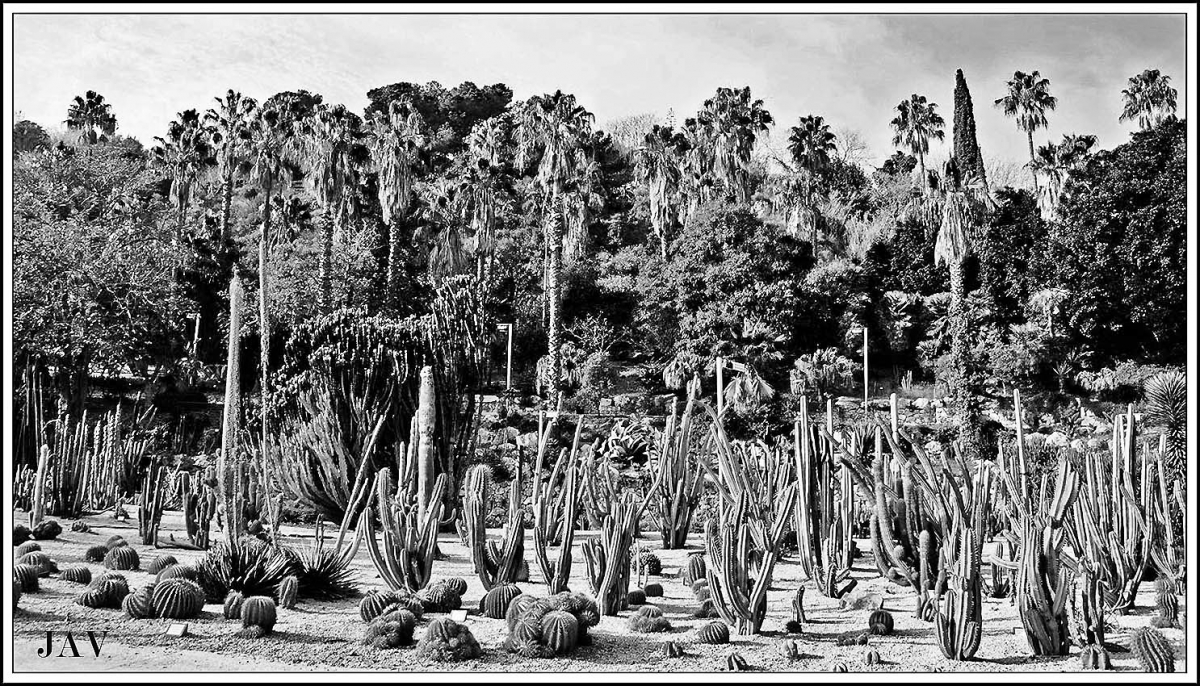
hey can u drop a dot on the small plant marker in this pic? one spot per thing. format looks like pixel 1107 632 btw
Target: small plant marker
pixel 458 615
pixel 178 630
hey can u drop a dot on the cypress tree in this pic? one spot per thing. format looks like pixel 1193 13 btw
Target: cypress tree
pixel 966 147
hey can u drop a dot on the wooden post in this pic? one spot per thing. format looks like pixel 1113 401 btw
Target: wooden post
pixel 508 380
pixel 720 385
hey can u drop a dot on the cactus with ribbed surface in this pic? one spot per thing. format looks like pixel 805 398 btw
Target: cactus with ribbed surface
pixel 17 589
pixel 672 649
pixel 713 633
pixel 140 603
pixel 258 611
pixel 1152 650
pixel 178 572
pixel 447 641
pixel 407 601
pixel 649 563
pixel 456 584
pixel 635 597
pixel 648 619
pixel 736 663
pixel 872 657
pixel 115 541
pixel 105 591
pixel 231 608
pixel 21 533
pixel 26 548
pixel 41 560
pixel 288 591
pixel 1095 657
pixel 495 603
pixel 122 558
pixel 560 631
pixel 792 652
pixel 1166 602
pixel 407 543
pixel 681 483
pixel 555 506
pixel 160 563
pixel 79 526
pixel 390 630
pixel 76 574
pixel 373 603
pixel 440 597
pixel 694 570
pixel 516 607
pixel 95 554
pixel 150 506
pixel 839 667
pixel 501 569
pixel 821 519
pixel 27 576
pixel 653 590
pixel 881 623
pixel 607 555
pixel 178 599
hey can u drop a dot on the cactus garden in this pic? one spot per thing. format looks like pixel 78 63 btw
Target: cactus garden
pixel 469 382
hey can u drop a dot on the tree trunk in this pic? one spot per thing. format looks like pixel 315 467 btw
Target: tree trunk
pixel 326 267
pixel 226 205
pixel 264 317
pixel 1032 169
pixel 393 259
pixel 960 390
pixel 554 297
pixel 924 176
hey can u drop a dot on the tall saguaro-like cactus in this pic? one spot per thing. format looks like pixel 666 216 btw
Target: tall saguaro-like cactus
pixel 229 468
pixel 555 508
pixel 821 521
pixel 682 484
pixel 502 566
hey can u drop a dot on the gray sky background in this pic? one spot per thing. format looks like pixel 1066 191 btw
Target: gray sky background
pixel 851 69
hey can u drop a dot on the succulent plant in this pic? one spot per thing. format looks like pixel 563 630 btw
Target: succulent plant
pixel 853 638
pixel 736 663
pixel 495 603
pixel 560 631
pixel 373 603
pixel 41 560
pixel 21 533
pixel 714 633
pixel 699 585
pixel 707 610
pixel 1094 657
pixel 703 595
pixel 791 651
pixel 179 572
pixel 160 563
pixel 636 597
pixel 517 607
pixel 793 627
pixel 881 623
pixel 872 657
pixel 26 548
pixel 47 530
pixel 1152 650
pixel 407 601
pixel 288 590
pixel 253 631
pixel 654 590
pixel 94 598
pixel 76 574
pixel 390 630
pixel 27 576
pixel 247 564
pixel 123 558
pixel 232 607
pixel 648 619
pixel 178 599
pixel 839 667
pixel 694 569
pixel 649 563
pixel 105 591
pixel 95 554
pixel 325 574
pixel 259 611
pixel 80 526
pixel 672 649
pixel 16 592
pixel 456 584
pixel 1166 602
pixel 447 641
pixel 115 541
pixel 440 597
pixel 140 603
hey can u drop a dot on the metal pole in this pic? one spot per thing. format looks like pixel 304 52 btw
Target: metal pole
pixel 866 379
pixel 508 381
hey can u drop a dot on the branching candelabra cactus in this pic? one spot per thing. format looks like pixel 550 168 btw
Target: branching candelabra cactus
pixel 555 508
pixel 504 567
pixel 607 554
pixel 682 484
pixel 821 522
pixel 404 556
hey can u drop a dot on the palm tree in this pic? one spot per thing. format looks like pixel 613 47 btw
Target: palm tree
pixel 659 162
pixel 230 124
pixel 442 226
pixel 92 117
pixel 811 145
pixel 1150 99
pixel 916 123
pixel 696 167
pixel 397 140
pixel 183 153
pixel 332 156
pixel 551 129
pixel 1028 100
pixel 732 122
pixel 1056 162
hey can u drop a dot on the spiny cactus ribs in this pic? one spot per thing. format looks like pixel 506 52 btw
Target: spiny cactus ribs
pixel 653 590
pixel 560 631
pixel 1095 657
pixel 872 657
pixel 636 597
pixel 672 649
pixel 122 558
pixel 95 553
pixel 695 569
pixel 390 630
pixel 456 584
pixel 140 603
pixel 447 641
pixel 232 607
pixel 21 533
pixel 288 591
pixel 258 611
pixel 76 574
pixel 881 623
pixel 178 599
pixel 27 577
pixel 26 548
pixel 648 619
pixel 649 563
pixel 736 663
pixel 373 603
pixel 1152 650
pixel 16 593
pixel 1166 602
pixel 495 604
pixel 550 626
pixel 839 667
pixel 41 560
pixel 160 563
pixel 115 541
pixel 713 633
pixel 106 591
pixel 80 526
pixel 441 597
pixel 178 572
pixel 852 638
pixel 791 651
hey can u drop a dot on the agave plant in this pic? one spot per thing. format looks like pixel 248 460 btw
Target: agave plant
pixel 821 370
pixel 1166 407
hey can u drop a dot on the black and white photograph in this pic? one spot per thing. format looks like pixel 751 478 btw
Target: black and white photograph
pixel 559 343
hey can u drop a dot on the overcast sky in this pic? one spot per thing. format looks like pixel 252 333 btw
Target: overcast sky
pixel 850 69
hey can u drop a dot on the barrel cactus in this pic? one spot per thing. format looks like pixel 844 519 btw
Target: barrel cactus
pixel 447 641
pixel 47 530
pixel 495 603
pixel 872 657
pixel 26 548
pixel 80 526
pixel 106 590
pixel 160 563
pixel 115 541
pixel 1152 650
pixel 232 607
pixel 178 572
pixel 178 599
pixel 672 649
pixel 41 560
pixel 21 533
pixel 853 638
pixel 140 603
pixel 699 586
pixel 736 663
pixel 76 574
pixel 695 569
pixel 1095 657
pixel 407 601
pixel 648 619
pixel 713 633
pixel 440 597
pixel 373 603
pixel 456 584
pixel 560 631
pixel 390 630
pixel 636 597
pixel 27 576
pixel 258 611
pixel 649 563
pixel 839 667
pixel 791 651
pixel 288 591
pixel 653 590
pixel 1166 602
pixel 16 584
pixel 95 554
pixel 123 558
pixel 881 623
pixel 516 607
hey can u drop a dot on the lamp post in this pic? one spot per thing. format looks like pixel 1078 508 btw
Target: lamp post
pixel 508 327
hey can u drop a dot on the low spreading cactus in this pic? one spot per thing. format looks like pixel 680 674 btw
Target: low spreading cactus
pixel 107 590
pixel 390 630
pixel 713 633
pixel 21 533
pixel 80 526
pixel 736 663
pixel 1095 657
pixel 853 638
pixel 447 641
pixel 648 619
pixel 517 607
pixel 95 554
pixel 122 558
pixel 839 667
pixel 26 548
pixel 374 602
pixel 76 574
pixel 258 611
pixel 672 649
pixel 178 599
pixel 440 597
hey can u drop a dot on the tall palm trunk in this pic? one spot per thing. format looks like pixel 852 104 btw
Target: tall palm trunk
pixel 393 263
pixel 924 176
pixel 264 318
pixel 1032 168
pixel 554 239
pixel 226 204
pixel 327 262
pixel 961 390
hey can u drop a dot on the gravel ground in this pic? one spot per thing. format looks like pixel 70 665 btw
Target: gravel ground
pixel 320 636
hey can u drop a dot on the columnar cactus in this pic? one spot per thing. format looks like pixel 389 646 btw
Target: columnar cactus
pixel 232 607
pixel 258 611
pixel 288 591
pixel 1095 657
pixel 495 603
pixel 1152 650
pixel 560 631
pixel 76 574
pixel 178 599
pixel 17 589
pixel 714 633
pixel 122 558
pixel 695 569
pixel 881 623
pixel 501 568
pixel 1166 602
pixel 555 507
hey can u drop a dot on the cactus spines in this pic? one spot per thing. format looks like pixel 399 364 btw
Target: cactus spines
pixel 178 572
pixel 672 649
pixel 648 563
pixel 374 602
pixel 1166 602
pixel 122 558
pixel 440 597
pixel 495 603
pixel 653 590
pixel 178 599
pixel 791 651
pixel 872 657
pixel 839 667
pixel 736 663
pixel 695 569
pixel 447 641
pixel 160 563
pixel 390 630
pixel 140 603
pixel 560 631
pixel 648 619
pixel 517 607
pixel 259 611
pixel 76 574
pixel 881 623
pixel 456 584
pixel 16 586
pixel 94 598
pixel 95 554
pixel 1095 657
pixel 27 576
pixel 115 541
pixel 1152 650
pixel 714 633
pixel 26 548
pixel 636 597
pixel 288 591
pixel 232 607
pixel 41 560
